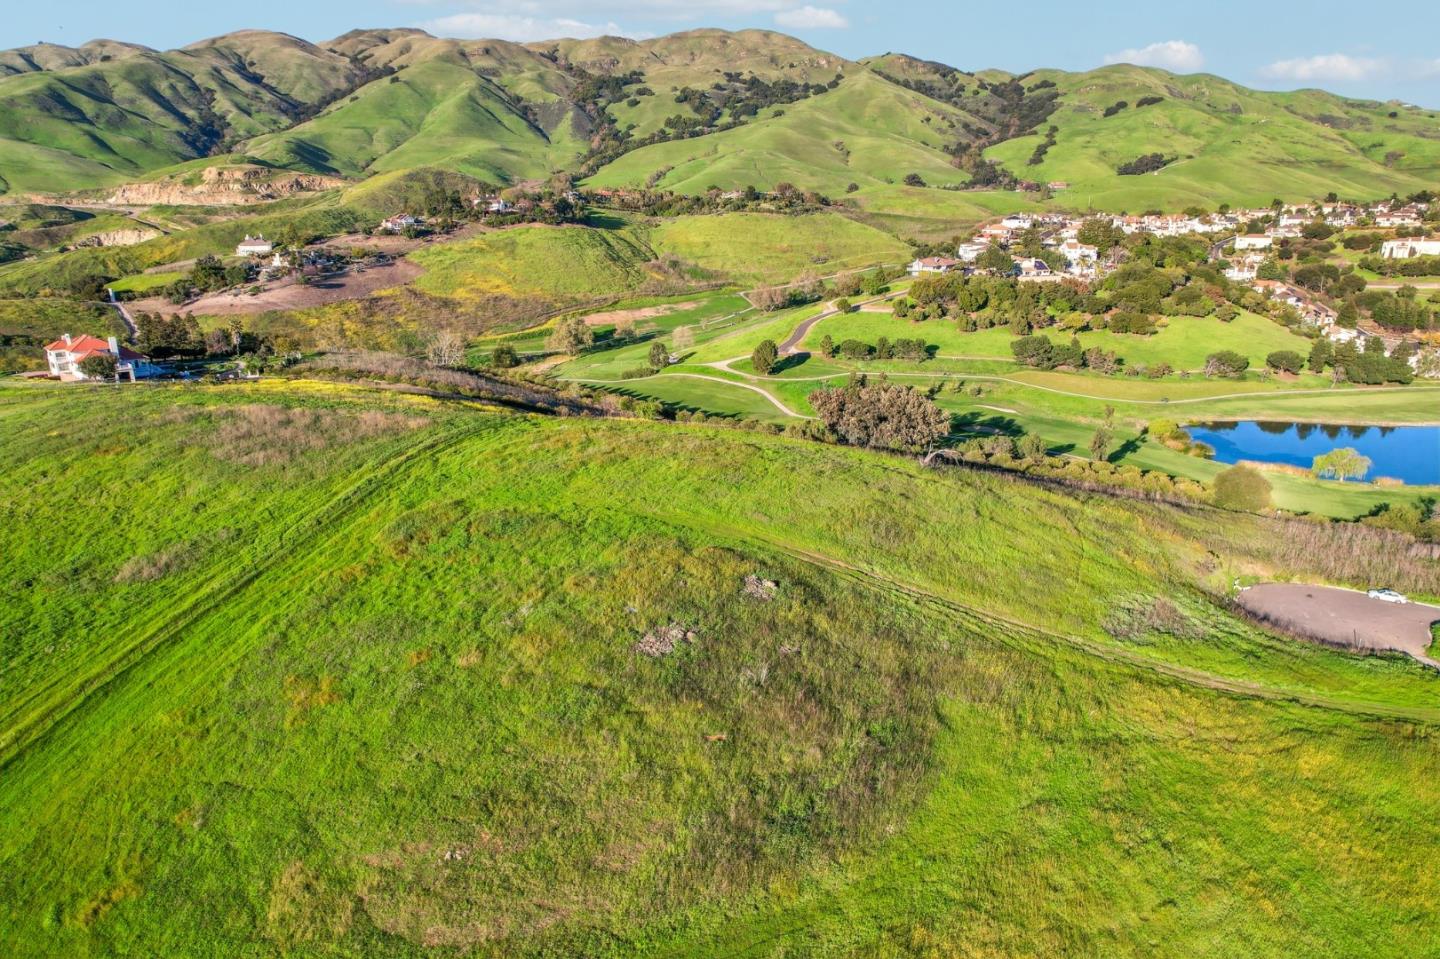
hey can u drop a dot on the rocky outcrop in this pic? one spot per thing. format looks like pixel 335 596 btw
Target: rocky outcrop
pixel 119 237
pixel 224 186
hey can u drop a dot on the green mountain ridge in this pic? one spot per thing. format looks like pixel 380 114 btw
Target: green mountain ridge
pixel 685 112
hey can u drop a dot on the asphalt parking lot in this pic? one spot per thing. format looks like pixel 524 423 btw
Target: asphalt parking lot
pixel 1344 617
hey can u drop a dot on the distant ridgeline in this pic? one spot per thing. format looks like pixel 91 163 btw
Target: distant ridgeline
pixel 685 112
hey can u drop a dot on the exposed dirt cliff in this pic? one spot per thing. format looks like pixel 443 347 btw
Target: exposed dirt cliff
pixel 223 186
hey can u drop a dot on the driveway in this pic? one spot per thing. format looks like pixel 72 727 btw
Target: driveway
pixel 1344 617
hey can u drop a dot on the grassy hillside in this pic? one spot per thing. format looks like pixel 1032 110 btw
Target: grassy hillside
pixel 108 120
pixel 500 111
pixel 866 131
pixel 925 740
pixel 446 110
pixel 1229 143
pixel 766 248
pixel 571 262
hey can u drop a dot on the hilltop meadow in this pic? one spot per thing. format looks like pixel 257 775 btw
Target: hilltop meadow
pixel 539 551
pixel 407 674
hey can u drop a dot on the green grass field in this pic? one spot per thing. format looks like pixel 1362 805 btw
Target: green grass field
pixel 145 283
pixel 374 691
pixel 557 262
pixel 771 248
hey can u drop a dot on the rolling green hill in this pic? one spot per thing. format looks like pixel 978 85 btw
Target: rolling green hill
pixel 727 109
pixel 109 119
pixel 1226 142
pixel 866 131
pixel 406 676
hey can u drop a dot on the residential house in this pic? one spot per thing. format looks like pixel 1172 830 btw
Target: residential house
pixel 254 246
pixel 1252 241
pixel 1405 216
pixel 1245 268
pixel 400 223
pixel 65 355
pixel 1404 249
pixel 970 252
pixel 1082 256
pixel 1038 270
pixel 933 264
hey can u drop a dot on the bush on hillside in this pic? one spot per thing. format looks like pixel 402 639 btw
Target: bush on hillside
pixel 1242 488
pixel 1226 363
pixel 764 357
pixel 883 415
pixel 1285 361
pixel 1148 163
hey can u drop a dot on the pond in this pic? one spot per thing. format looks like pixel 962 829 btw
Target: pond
pixel 1409 453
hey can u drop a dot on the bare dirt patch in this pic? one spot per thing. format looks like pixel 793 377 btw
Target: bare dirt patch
pixel 639 313
pixel 291 294
pixel 1342 617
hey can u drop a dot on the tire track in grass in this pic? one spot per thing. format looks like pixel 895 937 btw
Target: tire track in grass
pixel 1029 637
pixel 33 718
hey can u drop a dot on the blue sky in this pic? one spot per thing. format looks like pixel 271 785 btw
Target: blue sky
pixel 1272 44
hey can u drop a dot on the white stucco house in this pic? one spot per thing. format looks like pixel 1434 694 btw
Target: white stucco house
pixel 254 246
pixel 1254 241
pixel 65 355
pixel 1404 249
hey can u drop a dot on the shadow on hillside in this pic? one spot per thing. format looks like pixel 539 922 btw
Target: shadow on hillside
pixel 637 394
pixel 793 361
pixel 1127 448
pixel 973 423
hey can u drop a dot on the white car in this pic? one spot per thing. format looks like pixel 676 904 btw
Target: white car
pixel 1387 595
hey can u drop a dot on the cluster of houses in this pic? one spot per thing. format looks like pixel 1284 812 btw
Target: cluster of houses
pixel 1060 232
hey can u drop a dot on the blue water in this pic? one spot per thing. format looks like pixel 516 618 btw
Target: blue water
pixel 1409 453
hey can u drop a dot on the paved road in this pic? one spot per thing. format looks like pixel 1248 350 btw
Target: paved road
pixel 792 342
pixel 1345 617
pixel 124 315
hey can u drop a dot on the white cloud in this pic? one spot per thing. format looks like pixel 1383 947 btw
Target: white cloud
pixel 521 29
pixel 1175 55
pixel 811 18
pixel 1325 66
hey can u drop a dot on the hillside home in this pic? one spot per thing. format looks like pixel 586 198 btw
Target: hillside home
pixel 1406 248
pixel 399 223
pixel 1405 216
pixel 970 252
pixel 933 264
pixel 65 355
pixel 1034 269
pixel 254 246
pixel 1252 241
pixel 1245 268
pixel 1082 256
pixel 1017 221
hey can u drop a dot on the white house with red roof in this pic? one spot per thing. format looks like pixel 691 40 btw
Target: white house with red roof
pixel 66 354
pixel 933 264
